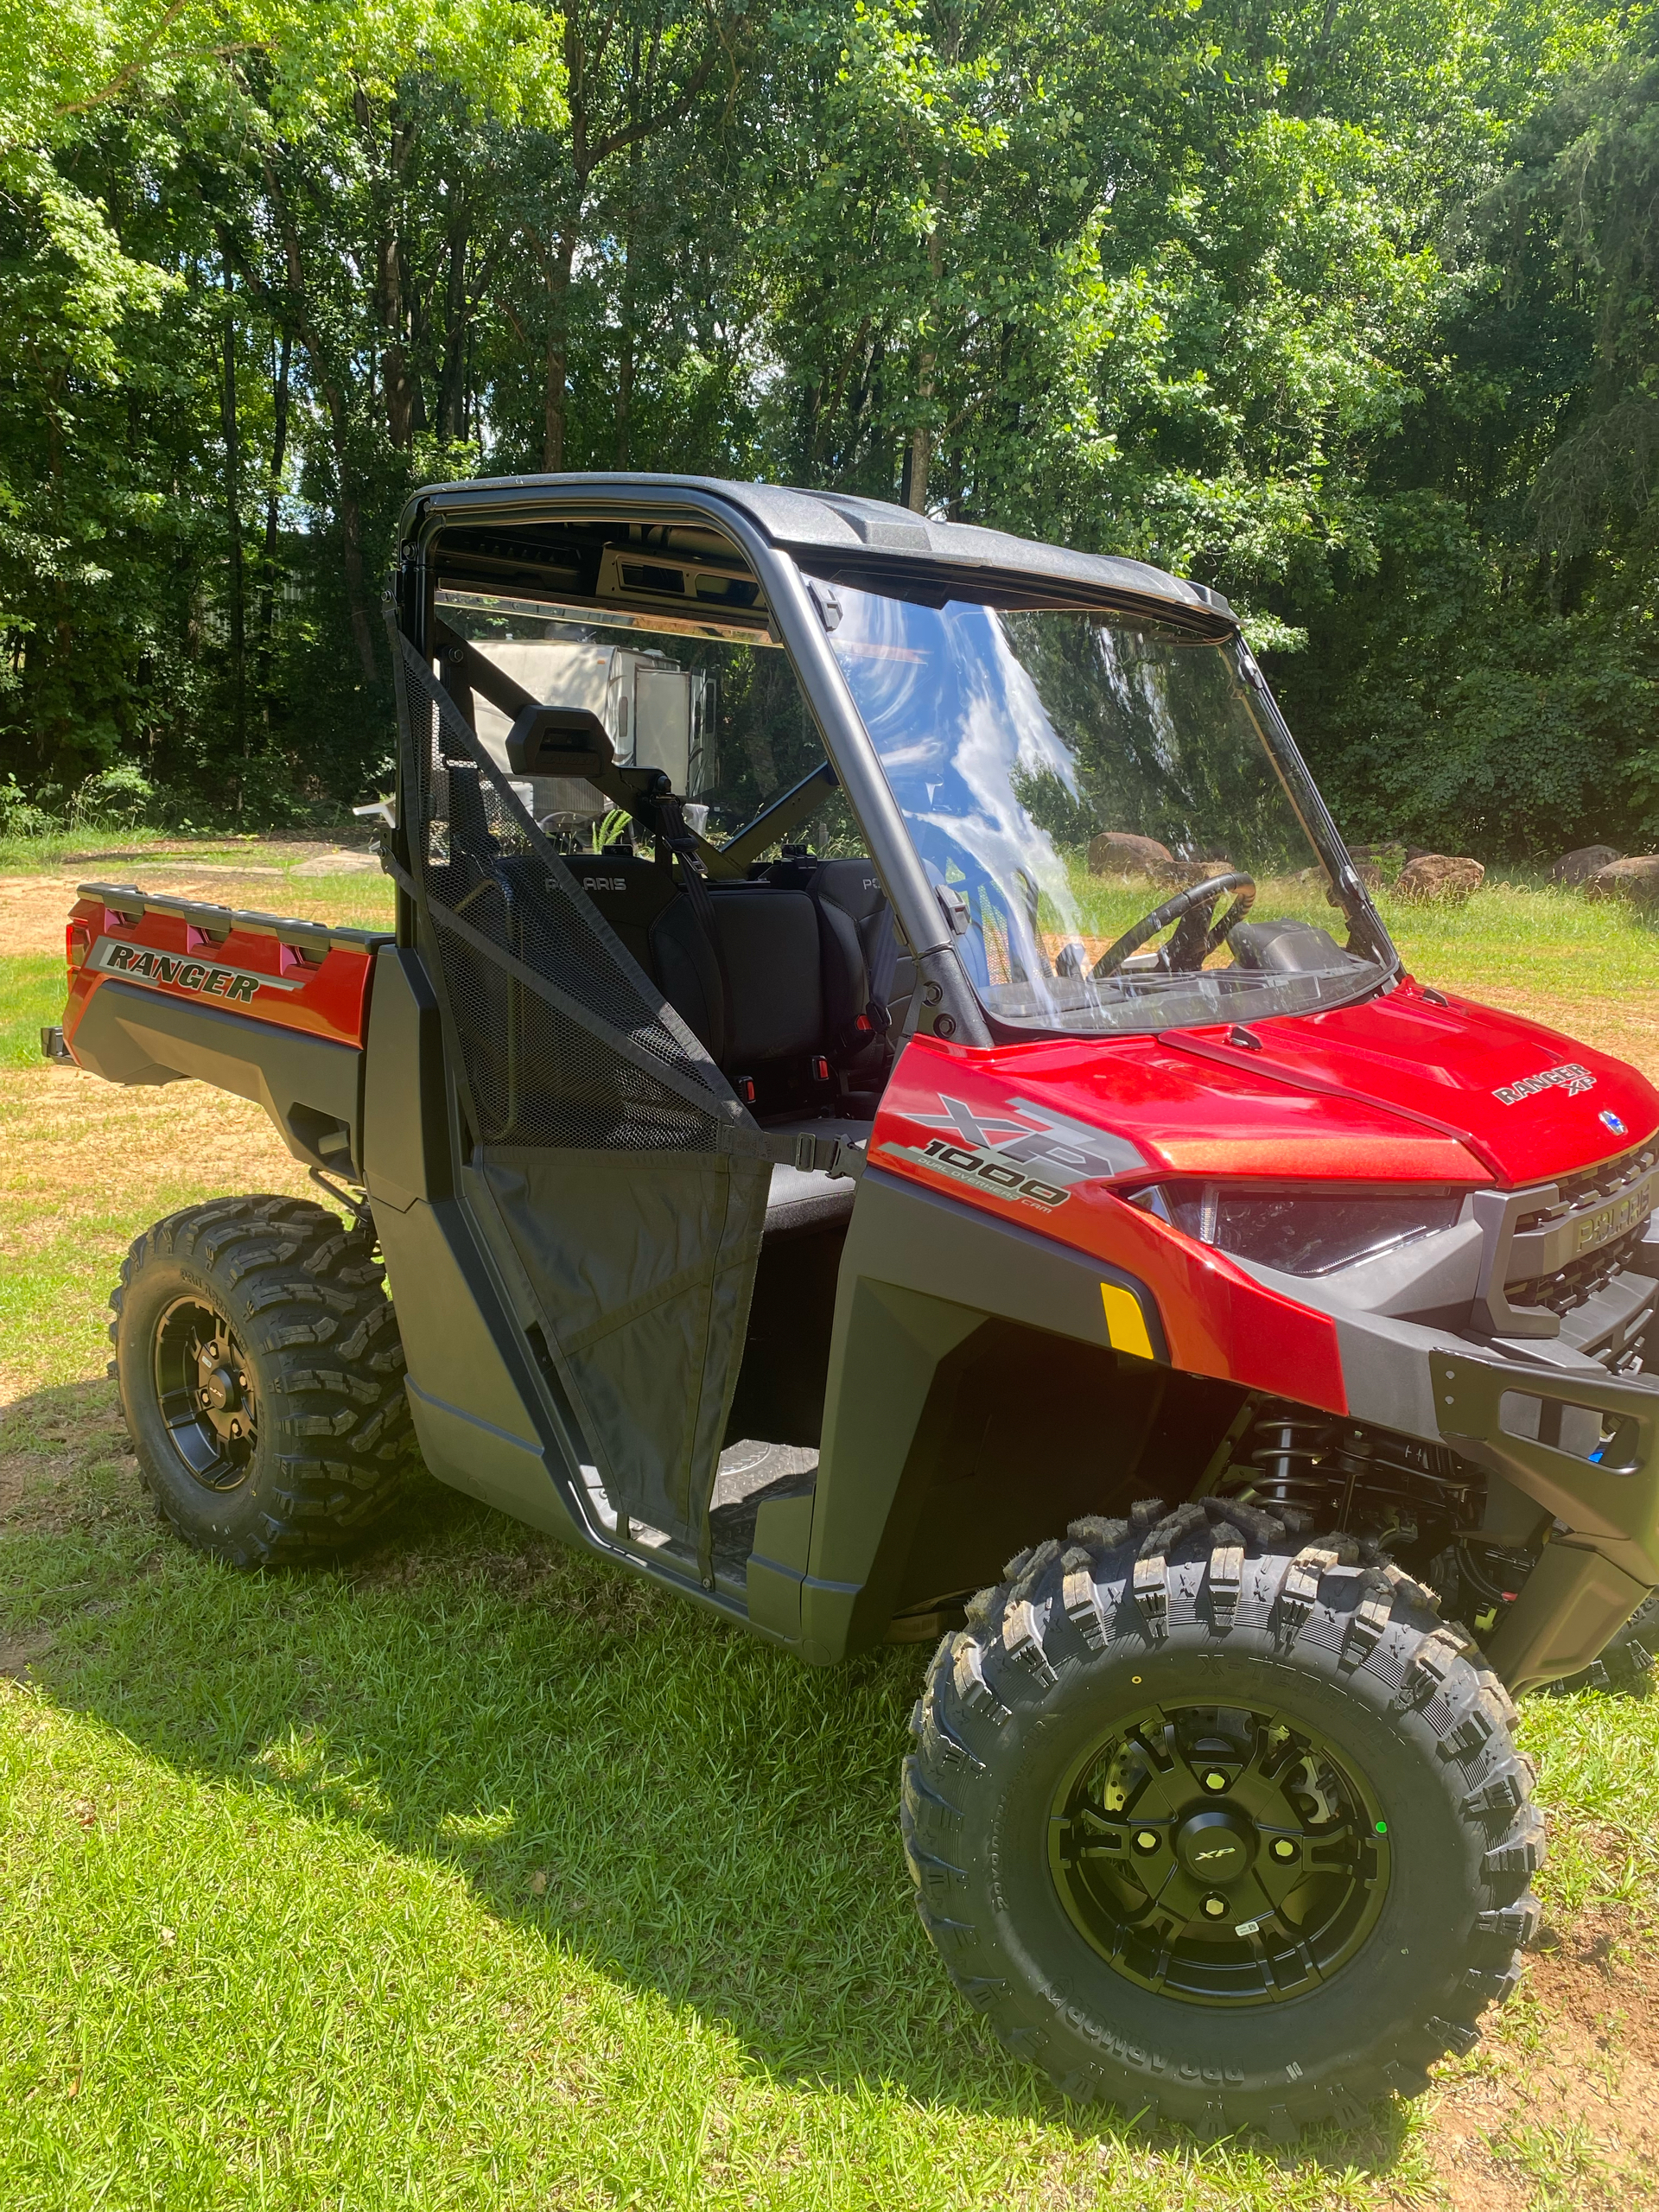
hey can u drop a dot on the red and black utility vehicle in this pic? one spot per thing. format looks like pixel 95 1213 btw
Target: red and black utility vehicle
pixel 888 1109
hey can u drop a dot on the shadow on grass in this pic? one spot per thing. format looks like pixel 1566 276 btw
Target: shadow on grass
pixel 687 1810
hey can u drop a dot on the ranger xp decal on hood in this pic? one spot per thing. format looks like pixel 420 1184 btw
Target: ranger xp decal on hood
pixel 1023 1151
pixel 1568 1077
pixel 140 964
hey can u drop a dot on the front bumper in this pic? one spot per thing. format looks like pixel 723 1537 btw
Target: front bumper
pixel 1603 1497
pixel 1548 1417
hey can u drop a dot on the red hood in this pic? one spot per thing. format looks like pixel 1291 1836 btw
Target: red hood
pixel 1403 1089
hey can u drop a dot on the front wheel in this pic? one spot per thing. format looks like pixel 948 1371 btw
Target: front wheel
pixel 1218 1834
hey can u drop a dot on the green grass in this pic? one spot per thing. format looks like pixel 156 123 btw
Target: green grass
pixel 485 1876
pixel 39 853
pixel 1527 937
pixel 482 1876
pixel 1518 933
pixel 31 995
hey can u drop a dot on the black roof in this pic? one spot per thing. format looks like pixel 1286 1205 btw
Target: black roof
pixel 825 525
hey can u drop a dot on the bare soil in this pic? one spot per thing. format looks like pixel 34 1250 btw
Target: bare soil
pixel 1562 2108
pixel 33 908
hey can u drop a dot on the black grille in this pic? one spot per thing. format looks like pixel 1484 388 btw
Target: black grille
pixel 1580 1278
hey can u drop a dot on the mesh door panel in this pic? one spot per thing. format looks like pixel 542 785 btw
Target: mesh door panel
pixel 573 1065
pixel 565 1041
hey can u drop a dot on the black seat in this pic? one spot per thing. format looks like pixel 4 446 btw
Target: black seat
pixel 868 972
pixel 759 1002
pixel 630 892
pixel 786 1002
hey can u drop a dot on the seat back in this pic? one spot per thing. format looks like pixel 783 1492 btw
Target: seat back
pixel 631 892
pixel 863 951
pixel 783 995
pixel 758 1001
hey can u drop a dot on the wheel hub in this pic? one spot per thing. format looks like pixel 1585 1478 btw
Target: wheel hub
pixel 1219 1854
pixel 205 1387
pixel 1213 1847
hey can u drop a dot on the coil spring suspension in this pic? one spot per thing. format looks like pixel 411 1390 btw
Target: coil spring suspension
pixel 1348 1475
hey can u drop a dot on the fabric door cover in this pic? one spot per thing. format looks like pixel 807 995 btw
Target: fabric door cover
pixel 630 1178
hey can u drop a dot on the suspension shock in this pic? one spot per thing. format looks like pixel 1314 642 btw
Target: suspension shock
pixel 1348 1475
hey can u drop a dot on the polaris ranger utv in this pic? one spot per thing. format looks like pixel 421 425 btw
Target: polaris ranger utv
pixel 889 1110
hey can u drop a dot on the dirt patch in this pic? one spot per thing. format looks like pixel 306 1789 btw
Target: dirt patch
pixel 74 1153
pixel 33 908
pixel 49 1442
pixel 1564 2107
pixel 17 1652
pixel 69 1134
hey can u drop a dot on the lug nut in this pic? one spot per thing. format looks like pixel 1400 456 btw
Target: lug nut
pixel 1283 1847
pixel 1215 1908
pixel 1214 1780
pixel 1145 1840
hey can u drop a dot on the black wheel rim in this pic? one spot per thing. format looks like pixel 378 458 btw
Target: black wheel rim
pixel 205 1388
pixel 1219 1854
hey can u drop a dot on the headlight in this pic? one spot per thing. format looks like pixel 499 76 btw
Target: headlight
pixel 1300 1232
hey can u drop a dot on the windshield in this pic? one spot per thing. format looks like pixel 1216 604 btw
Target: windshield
pixel 1117 839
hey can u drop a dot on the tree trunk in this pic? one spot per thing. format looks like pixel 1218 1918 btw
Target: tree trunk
pixel 351 532
pixel 457 330
pixel 233 531
pixel 918 458
pixel 918 452
pixel 273 515
pixel 557 266
pixel 327 382
pixel 398 385
pixel 625 341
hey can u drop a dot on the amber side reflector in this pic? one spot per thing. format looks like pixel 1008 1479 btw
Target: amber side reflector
pixel 1126 1326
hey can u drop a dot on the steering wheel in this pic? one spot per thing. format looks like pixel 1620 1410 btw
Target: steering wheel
pixel 1190 940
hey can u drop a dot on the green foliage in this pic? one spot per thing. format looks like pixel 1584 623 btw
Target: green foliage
pixel 1348 311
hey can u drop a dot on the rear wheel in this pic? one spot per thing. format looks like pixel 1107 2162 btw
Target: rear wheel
pixel 1627 1662
pixel 261 1379
pixel 1217 1833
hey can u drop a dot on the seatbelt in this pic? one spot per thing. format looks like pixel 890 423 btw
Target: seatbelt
pixel 815 1156
pixel 881 963
pixel 670 824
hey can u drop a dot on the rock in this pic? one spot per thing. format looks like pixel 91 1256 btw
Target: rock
pixel 1579 865
pixel 1391 851
pixel 1635 879
pixel 1438 880
pixel 1120 852
pixel 339 864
